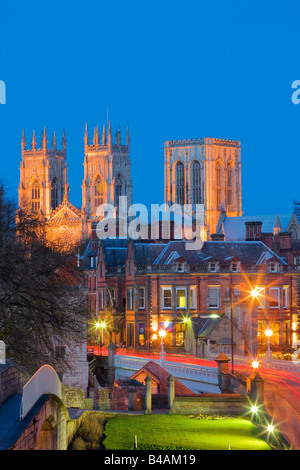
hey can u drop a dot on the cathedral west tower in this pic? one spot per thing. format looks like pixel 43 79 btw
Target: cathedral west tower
pixel 43 175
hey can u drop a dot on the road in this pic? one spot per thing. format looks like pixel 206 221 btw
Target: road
pixel 282 387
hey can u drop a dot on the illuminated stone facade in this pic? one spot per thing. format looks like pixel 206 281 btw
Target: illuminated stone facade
pixel 44 187
pixel 204 171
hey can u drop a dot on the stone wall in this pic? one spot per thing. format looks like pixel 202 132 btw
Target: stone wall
pixel 12 379
pixel 210 404
pixel 75 398
pixel 116 398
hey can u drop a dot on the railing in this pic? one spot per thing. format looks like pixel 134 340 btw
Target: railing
pixel 45 380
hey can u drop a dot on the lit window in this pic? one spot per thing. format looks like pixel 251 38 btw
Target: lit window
pixel 179 334
pixel 213 295
pixel 274 297
pixel 142 334
pixel 181 298
pixel 261 297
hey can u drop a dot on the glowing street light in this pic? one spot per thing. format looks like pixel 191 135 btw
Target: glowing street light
pixel 270 428
pixel 162 333
pixel 101 325
pixel 255 364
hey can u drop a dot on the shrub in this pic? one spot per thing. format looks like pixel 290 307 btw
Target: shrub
pixel 79 444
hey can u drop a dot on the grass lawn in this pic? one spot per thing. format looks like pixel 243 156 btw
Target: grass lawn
pixel 177 431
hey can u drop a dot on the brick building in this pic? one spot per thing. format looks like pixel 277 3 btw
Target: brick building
pixel 138 288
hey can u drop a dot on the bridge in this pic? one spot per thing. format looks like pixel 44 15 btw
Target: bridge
pixel 197 377
pixel 35 418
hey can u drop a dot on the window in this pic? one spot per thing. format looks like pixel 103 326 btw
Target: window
pixel 166 297
pixel 142 297
pixel 218 183
pixel 275 338
pixel 179 180
pixel 235 267
pixel 101 299
pixel 181 298
pixel 142 334
pixel 35 197
pixel 130 298
pixel 297 260
pixel 261 297
pixel 54 194
pixel 285 296
pixel 179 334
pixel 274 297
pixel 101 269
pixel 213 297
pixel 118 188
pixel 213 267
pixel 180 267
pixel 196 175
pixel 229 185
pixel 273 267
pixel 193 298
pixel 130 335
pixel 99 192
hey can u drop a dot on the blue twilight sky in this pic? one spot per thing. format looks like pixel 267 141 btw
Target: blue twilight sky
pixel 171 70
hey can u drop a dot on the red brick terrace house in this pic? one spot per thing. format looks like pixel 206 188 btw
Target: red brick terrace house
pixel 139 287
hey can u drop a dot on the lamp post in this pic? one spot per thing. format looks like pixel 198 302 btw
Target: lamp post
pixel 162 333
pixel 268 333
pixel 97 326
pixel 102 325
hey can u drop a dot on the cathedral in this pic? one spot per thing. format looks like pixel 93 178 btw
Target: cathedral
pixel 44 185
pixel 200 171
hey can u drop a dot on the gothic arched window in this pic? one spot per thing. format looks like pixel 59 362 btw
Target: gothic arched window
pixel 54 194
pixel 179 181
pixel 229 185
pixel 35 197
pixel 98 192
pixel 218 183
pixel 118 188
pixel 196 175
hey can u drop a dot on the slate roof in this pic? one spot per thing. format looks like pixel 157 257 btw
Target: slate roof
pixel 234 227
pixel 247 252
pixel 158 254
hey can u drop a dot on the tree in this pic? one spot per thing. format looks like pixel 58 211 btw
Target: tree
pixel 42 292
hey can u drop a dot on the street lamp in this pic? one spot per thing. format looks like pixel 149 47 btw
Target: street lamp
pixel 102 325
pixel 162 333
pixel 97 326
pixel 268 333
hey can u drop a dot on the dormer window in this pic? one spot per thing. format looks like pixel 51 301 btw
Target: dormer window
pixel 180 267
pixel 213 266
pixel 273 267
pixel 235 267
